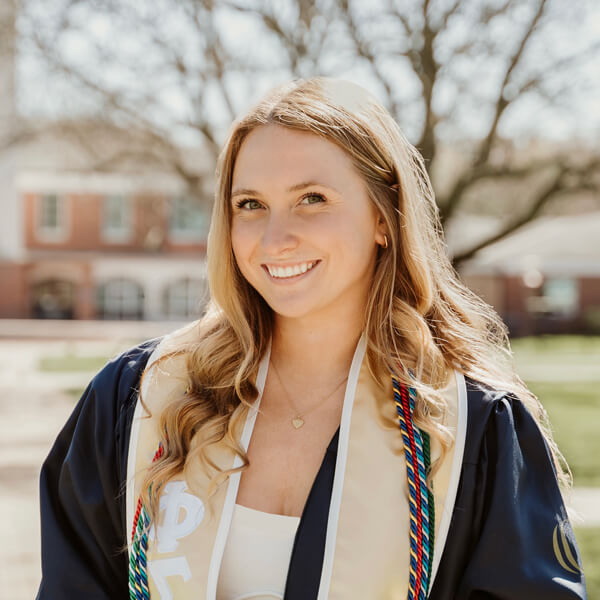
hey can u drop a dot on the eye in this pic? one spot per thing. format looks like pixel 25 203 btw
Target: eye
pixel 248 204
pixel 313 198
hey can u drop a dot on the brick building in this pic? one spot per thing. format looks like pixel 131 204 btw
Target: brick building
pixel 544 278
pixel 107 246
pixel 83 235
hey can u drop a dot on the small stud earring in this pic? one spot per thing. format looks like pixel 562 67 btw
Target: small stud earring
pixel 386 241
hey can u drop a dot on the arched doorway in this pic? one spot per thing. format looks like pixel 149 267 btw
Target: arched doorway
pixel 53 299
pixel 185 298
pixel 120 299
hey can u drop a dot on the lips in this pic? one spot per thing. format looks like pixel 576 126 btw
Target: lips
pixel 290 271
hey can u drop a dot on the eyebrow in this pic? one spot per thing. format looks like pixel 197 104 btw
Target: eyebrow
pixel 294 188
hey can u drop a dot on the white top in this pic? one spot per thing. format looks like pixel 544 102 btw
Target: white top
pixel 257 555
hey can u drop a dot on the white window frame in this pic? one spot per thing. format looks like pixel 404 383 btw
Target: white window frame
pixel 193 303
pixel 63 207
pixel 563 310
pixel 185 235
pixel 117 236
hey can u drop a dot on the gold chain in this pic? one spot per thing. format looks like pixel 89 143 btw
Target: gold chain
pixel 298 419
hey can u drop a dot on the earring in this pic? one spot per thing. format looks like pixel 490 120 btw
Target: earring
pixel 386 241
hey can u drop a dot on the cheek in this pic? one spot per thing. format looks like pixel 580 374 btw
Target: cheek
pixel 361 247
pixel 358 231
pixel 241 240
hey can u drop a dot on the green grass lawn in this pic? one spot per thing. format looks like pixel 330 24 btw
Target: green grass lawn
pixel 570 394
pixel 71 363
pixel 558 346
pixel 588 540
pixel 558 357
pixel 574 411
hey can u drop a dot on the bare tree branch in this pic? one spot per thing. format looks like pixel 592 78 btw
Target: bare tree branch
pixel 159 138
pixel 502 102
pixel 567 180
pixel 293 46
pixel 408 30
pixel 428 75
pixel 478 169
pixel 362 49
pixel 535 81
pixel 448 14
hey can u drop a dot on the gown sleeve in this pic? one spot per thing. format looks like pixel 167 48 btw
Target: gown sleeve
pixel 525 548
pixel 82 496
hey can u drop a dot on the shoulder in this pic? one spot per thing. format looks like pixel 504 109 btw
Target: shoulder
pixel 493 412
pixel 105 405
pixel 137 355
pixel 114 386
pixel 485 402
pixel 120 374
pixel 508 480
pixel 98 427
pixel 127 365
pixel 81 483
pixel 111 396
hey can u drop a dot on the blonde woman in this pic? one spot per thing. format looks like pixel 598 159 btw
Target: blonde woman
pixel 344 422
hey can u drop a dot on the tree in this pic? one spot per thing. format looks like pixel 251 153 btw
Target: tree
pixel 467 74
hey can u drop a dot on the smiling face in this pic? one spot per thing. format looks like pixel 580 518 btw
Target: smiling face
pixel 304 231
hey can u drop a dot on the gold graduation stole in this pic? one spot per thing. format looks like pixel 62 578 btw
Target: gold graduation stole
pixel 379 486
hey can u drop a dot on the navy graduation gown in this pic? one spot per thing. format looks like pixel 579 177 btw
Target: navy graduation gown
pixel 509 535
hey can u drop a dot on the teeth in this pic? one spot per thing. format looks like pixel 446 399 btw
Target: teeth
pixel 282 272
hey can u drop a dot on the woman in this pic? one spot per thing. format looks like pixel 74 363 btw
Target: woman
pixel 343 422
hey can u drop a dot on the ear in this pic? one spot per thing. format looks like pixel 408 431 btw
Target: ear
pixel 381 233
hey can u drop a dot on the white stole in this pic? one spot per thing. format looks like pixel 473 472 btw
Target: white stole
pixel 369 500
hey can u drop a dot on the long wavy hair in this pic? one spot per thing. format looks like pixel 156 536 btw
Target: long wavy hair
pixel 420 318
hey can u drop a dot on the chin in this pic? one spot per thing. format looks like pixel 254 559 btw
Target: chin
pixel 290 310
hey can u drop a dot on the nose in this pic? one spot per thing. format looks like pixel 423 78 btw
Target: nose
pixel 279 235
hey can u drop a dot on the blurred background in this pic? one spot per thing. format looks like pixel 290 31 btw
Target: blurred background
pixel 112 114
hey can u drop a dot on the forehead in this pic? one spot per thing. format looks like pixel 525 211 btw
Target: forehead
pixel 272 154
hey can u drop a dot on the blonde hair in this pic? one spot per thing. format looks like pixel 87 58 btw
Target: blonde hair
pixel 419 318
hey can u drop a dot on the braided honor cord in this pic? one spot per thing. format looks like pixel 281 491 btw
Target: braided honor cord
pixel 421 505
pixel 138 568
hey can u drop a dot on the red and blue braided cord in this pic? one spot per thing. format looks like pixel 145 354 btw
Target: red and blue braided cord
pixel 420 499
pixel 425 497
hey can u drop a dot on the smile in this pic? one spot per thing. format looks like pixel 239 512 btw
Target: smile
pixel 290 272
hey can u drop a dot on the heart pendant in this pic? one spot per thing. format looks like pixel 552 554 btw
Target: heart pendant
pixel 297 422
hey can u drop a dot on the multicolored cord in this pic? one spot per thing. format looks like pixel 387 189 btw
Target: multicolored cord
pixel 421 504
pixel 138 567
pixel 421 508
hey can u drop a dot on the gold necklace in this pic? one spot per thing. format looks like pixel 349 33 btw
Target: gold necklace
pixel 298 419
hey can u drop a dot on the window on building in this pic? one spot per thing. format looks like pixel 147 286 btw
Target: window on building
pixel 116 218
pixel 561 295
pixel 120 299
pixel 51 216
pixel 189 219
pixel 185 298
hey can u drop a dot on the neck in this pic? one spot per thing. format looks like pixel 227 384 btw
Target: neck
pixel 319 350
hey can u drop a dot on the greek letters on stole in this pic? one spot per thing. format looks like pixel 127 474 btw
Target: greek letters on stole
pixel 369 498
